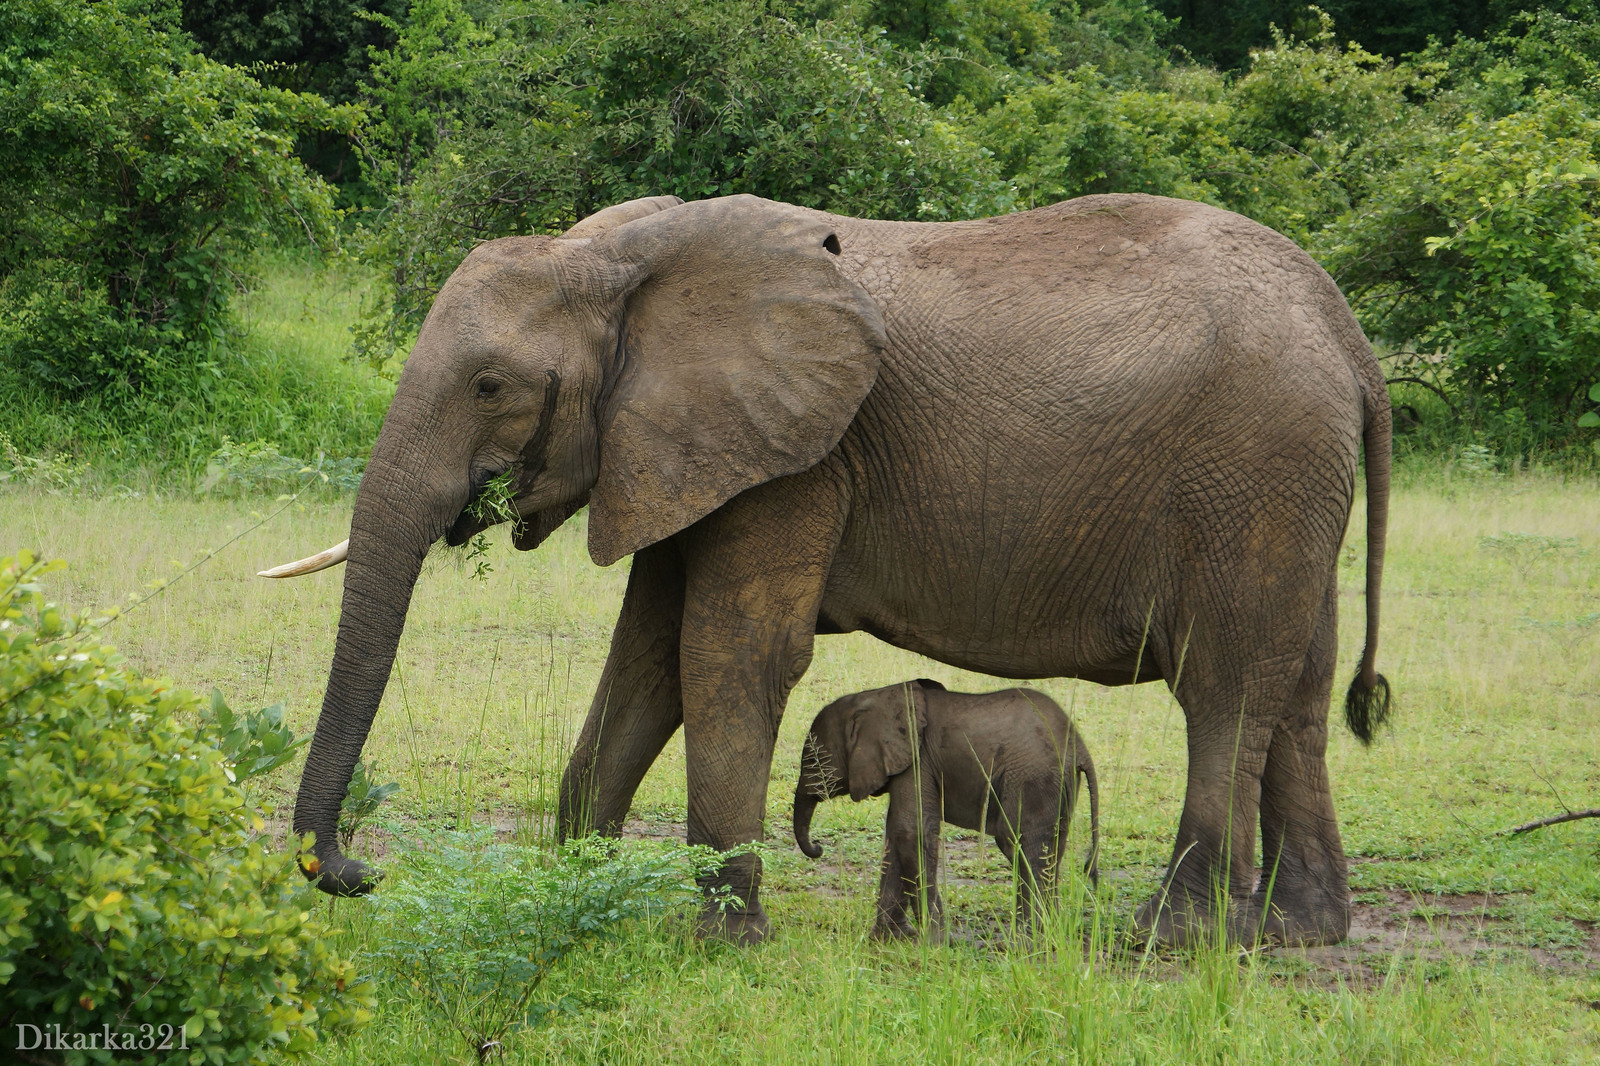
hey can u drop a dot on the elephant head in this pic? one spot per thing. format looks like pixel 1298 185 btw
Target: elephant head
pixel 855 745
pixel 653 362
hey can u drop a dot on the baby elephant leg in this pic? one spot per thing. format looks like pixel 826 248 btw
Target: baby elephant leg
pixel 1028 836
pixel 908 891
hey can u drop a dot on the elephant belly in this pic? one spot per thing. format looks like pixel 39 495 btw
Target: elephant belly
pixel 1032 648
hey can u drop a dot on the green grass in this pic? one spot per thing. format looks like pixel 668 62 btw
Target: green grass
pixel 1498 715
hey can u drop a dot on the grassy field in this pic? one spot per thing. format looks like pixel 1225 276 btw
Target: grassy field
pixel 1470 945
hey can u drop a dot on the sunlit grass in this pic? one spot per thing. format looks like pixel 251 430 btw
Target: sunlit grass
pixel 1497 718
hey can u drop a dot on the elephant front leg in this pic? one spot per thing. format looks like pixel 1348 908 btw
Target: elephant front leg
pixel 908 888
pixel 754 577
pixel 638 705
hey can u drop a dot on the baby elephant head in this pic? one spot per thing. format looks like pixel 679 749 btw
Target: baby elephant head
pixel 856 744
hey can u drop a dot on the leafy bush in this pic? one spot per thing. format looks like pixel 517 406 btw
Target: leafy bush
pixel 135 889
pixel 1479 255
pixel 1076 134
pixel 545 112
pixel 137 175
pixel 474 930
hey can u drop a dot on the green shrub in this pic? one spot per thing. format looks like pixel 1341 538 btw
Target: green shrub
pixel 473 930
pixel 541 113
pixel 1478 255
pixel 152 171
pixel 1076 134
pixel 136 891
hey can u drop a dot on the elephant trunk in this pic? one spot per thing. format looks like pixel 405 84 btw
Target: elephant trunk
pixel 390 533
pixel 805 804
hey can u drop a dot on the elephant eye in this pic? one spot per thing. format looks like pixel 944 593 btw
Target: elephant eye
pixel 488 388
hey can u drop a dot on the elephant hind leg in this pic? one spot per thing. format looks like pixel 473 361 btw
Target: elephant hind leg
pixel 1231 704
pixel 639 703
pixel 1304 895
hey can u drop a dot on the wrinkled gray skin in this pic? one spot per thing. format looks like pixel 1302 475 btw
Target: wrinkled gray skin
pixel 1113 439
pixel 1003 763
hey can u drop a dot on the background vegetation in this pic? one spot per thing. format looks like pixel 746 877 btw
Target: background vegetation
pixel 1442 161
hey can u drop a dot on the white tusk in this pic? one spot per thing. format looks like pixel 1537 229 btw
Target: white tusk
pixel 311 564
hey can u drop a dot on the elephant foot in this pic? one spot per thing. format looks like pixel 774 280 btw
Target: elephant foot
pixel 904 928
pixel 742 928
pixel 1175 918
pixel 884 929
pixel 1302 919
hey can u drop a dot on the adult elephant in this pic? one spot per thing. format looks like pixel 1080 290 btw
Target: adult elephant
pixel 1113 439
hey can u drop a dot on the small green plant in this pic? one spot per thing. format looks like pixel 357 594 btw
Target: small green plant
pixel 362 800
pixel 477 553
pixel 56 473
pixel 474 929
pixel 1477 459
pixel 254 743
pixel 495 504
pixel 138 894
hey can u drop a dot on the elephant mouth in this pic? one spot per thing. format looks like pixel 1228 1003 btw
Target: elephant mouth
pixel 476 516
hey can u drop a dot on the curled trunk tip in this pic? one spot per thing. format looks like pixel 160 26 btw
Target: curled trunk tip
pixel 804 805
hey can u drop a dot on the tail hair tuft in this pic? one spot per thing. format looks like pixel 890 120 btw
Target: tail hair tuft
pixel 1365 709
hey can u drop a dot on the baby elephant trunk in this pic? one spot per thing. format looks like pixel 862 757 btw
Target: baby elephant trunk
pixel 805 804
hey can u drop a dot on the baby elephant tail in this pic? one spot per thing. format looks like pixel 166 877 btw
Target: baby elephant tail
pixel 1091 865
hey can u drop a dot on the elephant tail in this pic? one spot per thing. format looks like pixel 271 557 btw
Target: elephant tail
pixel 1367 703
pixel 1092 865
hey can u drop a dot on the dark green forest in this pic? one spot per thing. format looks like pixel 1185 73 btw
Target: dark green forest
pixel 1442 162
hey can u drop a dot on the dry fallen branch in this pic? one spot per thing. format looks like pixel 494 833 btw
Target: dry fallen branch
pixel 1554 819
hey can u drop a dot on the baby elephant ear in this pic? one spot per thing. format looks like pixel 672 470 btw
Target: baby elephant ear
pixel 880 737
pixel 745 353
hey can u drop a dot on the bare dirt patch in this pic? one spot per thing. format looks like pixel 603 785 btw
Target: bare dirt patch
pixel 1435 927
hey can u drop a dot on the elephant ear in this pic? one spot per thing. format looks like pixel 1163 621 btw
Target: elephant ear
pixel 745 353
pixel 608 219
pixel 880 737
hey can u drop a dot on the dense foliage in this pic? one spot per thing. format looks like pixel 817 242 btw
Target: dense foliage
pixel 1439 160
pixel 1225 31
pixel 548 111
pixel 137 175
pixel 137 895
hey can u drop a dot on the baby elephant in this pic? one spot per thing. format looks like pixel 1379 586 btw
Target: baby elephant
pixel 1004 763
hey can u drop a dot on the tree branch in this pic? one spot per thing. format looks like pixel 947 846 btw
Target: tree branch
pixel 1554 819
pixel 1430 386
